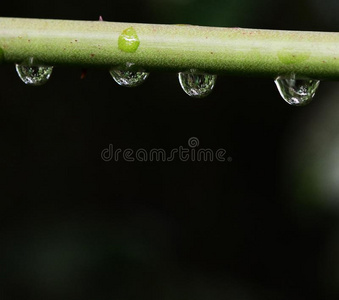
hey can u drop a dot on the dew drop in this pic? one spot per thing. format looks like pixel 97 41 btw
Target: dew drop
pixel 196 84
pixel 297 92
pixel 127 77
pixel 33 75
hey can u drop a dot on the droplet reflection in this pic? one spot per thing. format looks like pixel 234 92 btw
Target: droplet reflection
pixel 128 77
pixel 297 92
pixel 34 75
pixel 196 84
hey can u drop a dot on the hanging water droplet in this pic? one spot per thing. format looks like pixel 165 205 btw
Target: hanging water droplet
pixel 33 75
pixel 196 84
pixel 128 78
pixel 296 92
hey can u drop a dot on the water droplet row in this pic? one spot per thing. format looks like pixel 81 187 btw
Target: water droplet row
pixel 294 91
pixel 195 84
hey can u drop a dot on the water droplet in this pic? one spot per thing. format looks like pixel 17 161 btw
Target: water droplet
pixel 127 77
pixel 34 75
pixel 196 84
pixel 296 92
pixel 128 40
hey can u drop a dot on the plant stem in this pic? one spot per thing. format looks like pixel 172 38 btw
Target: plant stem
pixel 233 51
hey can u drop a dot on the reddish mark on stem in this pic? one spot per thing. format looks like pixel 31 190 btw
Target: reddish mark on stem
pixel 92 55
pixel 83 73
pixel 100 18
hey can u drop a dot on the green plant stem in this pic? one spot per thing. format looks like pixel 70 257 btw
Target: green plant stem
pixel 233 51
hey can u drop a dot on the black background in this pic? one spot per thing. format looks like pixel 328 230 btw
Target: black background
pixel 76 227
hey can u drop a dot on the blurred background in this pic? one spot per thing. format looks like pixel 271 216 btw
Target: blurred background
pixel 264 226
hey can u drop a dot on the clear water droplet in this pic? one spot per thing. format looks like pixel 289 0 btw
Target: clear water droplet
pixel 34 75
pixel 196 84
pixel 297 92
pixel 128 78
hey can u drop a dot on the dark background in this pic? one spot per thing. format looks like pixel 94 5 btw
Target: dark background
pixel 264 226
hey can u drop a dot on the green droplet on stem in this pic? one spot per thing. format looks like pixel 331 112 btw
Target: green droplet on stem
pixel 128 40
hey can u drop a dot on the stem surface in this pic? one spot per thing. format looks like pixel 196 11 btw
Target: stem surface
pixel 233 51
